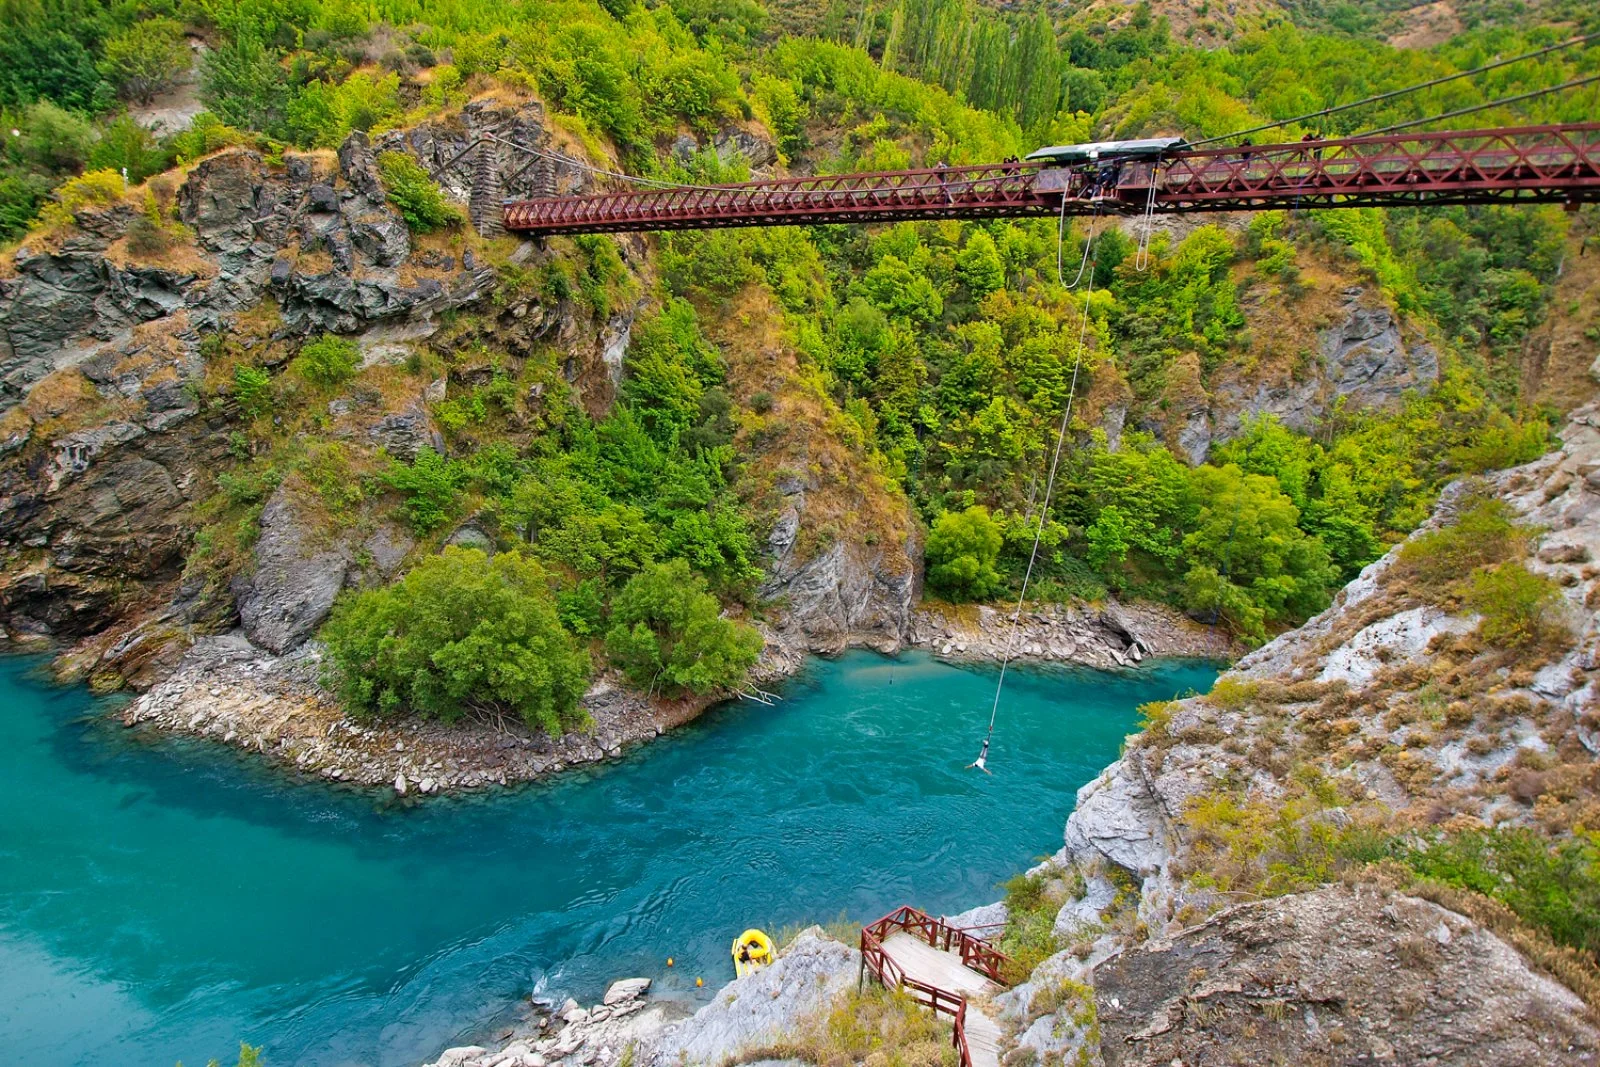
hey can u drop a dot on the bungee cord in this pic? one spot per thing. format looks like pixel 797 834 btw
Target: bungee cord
pixel 981 763
pixel 1061 236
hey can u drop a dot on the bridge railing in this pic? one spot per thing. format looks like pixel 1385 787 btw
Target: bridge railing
pixel 1451 166
pixel 985 189
pixel 975 953
pixel 1431 163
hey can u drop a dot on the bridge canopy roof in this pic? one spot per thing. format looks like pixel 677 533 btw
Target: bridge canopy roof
pixel 1143 148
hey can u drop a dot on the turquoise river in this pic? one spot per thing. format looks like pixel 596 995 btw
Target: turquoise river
pixel 163 899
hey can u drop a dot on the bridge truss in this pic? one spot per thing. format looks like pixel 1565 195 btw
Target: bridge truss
pixel 1526 164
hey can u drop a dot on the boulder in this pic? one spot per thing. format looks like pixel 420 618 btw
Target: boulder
pixel 382 238
pixel 404 433
pixel 296 577
pixel 624 990
pixel 1339 975
pixel 760 151
pixel 761 1008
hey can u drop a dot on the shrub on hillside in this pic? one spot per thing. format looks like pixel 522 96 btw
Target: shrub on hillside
pixel 431 487
pixel 1552 885
pixel 962 549
pixel 460 634
pixel 1482 534
pixel 413 192
pixel 668 635
pixel 252 388
pixel 97 188
pixel 206 134
pixel 327 361
pixel 1518 606
pixel 146 58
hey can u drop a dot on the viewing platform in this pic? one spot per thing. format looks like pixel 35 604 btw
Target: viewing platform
pixel 944 968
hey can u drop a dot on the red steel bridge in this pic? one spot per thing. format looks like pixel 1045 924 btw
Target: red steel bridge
pixel 1526 164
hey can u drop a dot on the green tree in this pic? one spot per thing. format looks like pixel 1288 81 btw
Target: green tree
pixel 962 549
pixel 460 634
pixel 47 52
pixel 126 145
pixel 252 388
pixel 431 487
pixel 979 265
pixel 1249 561
pixel 328 360
pixel 413 191
pixel 668 635
pixel 21 195
pixel 244 84
pixel 146 58
pixel 54 139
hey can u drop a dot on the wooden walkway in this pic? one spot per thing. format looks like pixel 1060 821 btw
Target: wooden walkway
pixel 943 968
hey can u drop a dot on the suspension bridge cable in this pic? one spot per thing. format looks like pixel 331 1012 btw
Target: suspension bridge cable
pixel 1393 93
pixel 1044 509
pixel 558 157
pixel 1574 83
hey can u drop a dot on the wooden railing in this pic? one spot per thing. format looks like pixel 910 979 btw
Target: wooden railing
pixel 975 953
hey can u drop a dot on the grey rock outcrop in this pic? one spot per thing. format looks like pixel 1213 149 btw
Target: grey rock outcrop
pixel 763 1007
pixel 61 306
pixel 403 433
pixel 458 150
pixel 297 575
pixel 255 224
pixel 1339 975
pixel 1119 819
pixel 845 595
pixel 1362 360
pixel 1366 360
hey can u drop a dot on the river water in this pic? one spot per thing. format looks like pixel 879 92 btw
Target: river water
pixel 164 899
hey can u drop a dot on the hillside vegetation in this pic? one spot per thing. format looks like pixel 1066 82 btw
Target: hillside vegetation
pixel 926 366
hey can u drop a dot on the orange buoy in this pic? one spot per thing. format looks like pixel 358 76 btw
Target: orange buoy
pixel 669 961
pixel 698 982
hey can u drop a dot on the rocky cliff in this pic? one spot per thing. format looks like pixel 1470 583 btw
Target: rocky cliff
pixel 121 427
pixel 1389 714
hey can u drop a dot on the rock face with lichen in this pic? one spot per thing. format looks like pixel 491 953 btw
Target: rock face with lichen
pixel 1388 710
pixel 1340 975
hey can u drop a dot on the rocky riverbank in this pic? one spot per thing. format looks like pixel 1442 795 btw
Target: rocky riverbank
pixel 228 690
pixel 755 1011
pixel 1106 636
pixel 1191 918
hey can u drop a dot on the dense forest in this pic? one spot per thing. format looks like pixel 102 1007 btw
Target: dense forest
pixel 949 349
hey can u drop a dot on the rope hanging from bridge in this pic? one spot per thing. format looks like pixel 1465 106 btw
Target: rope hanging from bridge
pixel 1061 237
pixel 981 763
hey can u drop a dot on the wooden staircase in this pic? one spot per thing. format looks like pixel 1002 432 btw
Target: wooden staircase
pixel 944 968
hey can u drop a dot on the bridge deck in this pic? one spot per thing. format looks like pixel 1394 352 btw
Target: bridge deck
pixel 1527 163
pixel 944 970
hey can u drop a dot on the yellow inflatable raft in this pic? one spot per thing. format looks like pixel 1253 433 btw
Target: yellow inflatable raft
pixel 752 950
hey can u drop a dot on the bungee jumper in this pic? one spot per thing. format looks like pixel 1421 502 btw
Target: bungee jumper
pixel 982 759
